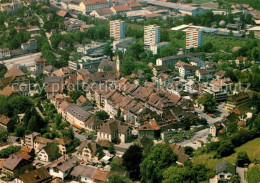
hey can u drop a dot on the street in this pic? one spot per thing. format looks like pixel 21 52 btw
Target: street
pixel 203 134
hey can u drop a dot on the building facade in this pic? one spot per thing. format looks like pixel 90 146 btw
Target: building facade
pixel 151 35
pixel 117 29
pixel 194 38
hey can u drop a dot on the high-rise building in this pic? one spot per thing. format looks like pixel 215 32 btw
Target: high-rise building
pixel 117 29
pixel 194 38
pixel 151 35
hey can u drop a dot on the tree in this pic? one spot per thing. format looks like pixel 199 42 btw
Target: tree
pixel 235 179
pixel 111 149
pixel 209 103
pixel 33 124
pixel 189 150
pixel 251 35
pixel 103 115
pixel 108 51
pixel 3 136
pixel 176 174
pixel 131 160
pixel 115 178
pixel 225 148
pixel 242 159
pixel 55 154
pixel 156 161
pixel 58 120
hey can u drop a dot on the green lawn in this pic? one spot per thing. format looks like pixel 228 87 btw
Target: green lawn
pixel 252 148
pixel 201 1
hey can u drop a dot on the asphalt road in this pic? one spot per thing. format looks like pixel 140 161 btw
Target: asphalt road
pixel 26 60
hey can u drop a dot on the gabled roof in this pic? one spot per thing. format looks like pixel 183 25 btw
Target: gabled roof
pixel 152 125
pixel 12 162
pixel 90 145
pixel 14 72
pixel 104 11
pixel 35 176
pixel 85 171
pixel 100 175
pixel 63 141
pixel 94 2
pixel 121 8
pixel 225 167
pixel 4 120
pixel 133 4
pixel 62 13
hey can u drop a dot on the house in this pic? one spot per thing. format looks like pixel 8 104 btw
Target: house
pixel 190 86
pixel 63 14
pixel 224 84
pixel 180 152
pixel 165 79
pixel 92 49
pixel 214 129
pixel 156 47
pixel 15 75
pixel 83 173
pixel 53 85
pixel 5 121
pixel 84 28
pixel 102 13
pixel 61 168
pixel 47 153
pixel 89 151
pixel 114 130
pixel 5 53
pixel 100 175
pixel 220 74
pixel 196 62
pixel 63 144
pixel 40 142
pixel 161 69
pixel 40 175
pixel 241 60
pixel 150 130
pixel 225 171
pixel 29 46
pixel 187 70
pixel 203 74
pixel 120 9
pixel 91 5
pixel 236 101
pixel 81 101
pixel 77 116
pixel 15 166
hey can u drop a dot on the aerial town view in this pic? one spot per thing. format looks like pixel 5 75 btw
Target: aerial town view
pixel 130 91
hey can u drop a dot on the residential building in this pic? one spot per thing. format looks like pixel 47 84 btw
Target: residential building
pixel 63 144
pixel 194 38
pixel 89 151
pixel 47 153
pixel 80 118
pixel 29 46
pixel 114 130
pixel 117 29
pixel 203 74
pixel 180 152
pixel 236 100
pixel 214 129
pixel 219 95
pixel 29 139
pixel 124 41
pixel 150 130
pixel 83 173
pixel 151 35
pixel 15 166
pixel 190 86
pixel 196 62
pixel 63 14
pixel 187 70
pixel 155 47
pixel 40 142
pixel 120 9
pixel 224 84
pixel 40 175
pixel 225 171
pixel 5 53
pixel 91 5
pixel 4 122
pixel 93 49
pixel 241 60
pixel 61 168
pixel 170 61
pixel 102 13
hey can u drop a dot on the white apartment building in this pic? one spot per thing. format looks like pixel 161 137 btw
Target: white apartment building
pixel 151 35
pixel 117 29
pixel 194 38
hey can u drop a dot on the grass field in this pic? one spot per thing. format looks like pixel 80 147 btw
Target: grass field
pixel 252 148
pixel 201 1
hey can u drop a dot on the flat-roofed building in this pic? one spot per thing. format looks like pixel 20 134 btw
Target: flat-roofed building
pixel 117 29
